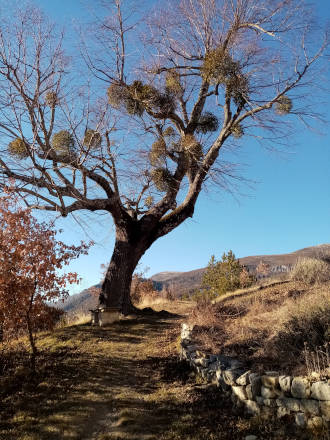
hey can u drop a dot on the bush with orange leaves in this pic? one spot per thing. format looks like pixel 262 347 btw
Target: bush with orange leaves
pixel 31 257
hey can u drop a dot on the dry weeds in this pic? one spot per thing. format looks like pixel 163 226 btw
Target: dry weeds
pixel 269 326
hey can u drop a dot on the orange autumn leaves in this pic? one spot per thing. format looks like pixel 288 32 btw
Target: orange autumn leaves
pixel 30 260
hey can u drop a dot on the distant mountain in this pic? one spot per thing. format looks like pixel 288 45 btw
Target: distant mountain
pixel 188 281
pixel 81 302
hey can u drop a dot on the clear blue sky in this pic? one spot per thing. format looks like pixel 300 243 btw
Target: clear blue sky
pixel 288 208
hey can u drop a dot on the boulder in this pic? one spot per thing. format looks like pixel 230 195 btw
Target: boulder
pixel 325 410
pixel 203 362
pixel 288 403
pixel 268 393
pixel 310 406
pixel 249 393
pixel 231 375
pixel 270 379
pixel 240 392
pixel 244 378
pixel 320 391
pixel 282 412
pixel 251 407
pixel 255 381
pixel 300 419
pixel 285 383
pixel 300 388
pixel 270 403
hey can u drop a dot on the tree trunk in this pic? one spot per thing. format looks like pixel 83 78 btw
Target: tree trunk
pixel 117 283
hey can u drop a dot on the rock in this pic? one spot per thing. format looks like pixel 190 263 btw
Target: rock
pixel 201 354
pixel 203 362
pixel 268 393
pixel 315 423
pixel 251 437
pixel 249 393
pixel 300 388
pixel 288 403
pixel 325 410
pixel 300 420
pixel 236 400
pixel 270 380
pixel 255 385
pixel 320 391
pixel 240 392
pixel 260 400
pixel 310 406
pixel 285 383
pixel 231 375
pixel 281 412
pixel 251 407
pixel 244 378
pixel 270 403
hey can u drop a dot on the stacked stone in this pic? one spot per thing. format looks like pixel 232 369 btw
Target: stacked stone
pixel 266 394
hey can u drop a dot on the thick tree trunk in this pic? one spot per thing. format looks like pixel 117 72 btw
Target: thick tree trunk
pixel 117 283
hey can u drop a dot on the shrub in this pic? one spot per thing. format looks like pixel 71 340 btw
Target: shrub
pixel 311 271
pixel 307 323
pixel 141 289
pixel 221 276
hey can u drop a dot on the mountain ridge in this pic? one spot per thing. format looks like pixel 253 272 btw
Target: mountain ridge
pixel 185 282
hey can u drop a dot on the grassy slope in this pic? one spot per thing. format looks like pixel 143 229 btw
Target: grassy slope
pixel 119 382
pixel 268 325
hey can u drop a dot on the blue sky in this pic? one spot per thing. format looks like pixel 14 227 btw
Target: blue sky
pixel 288 207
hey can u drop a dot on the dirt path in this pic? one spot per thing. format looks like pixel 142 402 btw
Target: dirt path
pixel 120 382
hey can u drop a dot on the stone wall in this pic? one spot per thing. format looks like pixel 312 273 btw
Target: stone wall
pixel 267 394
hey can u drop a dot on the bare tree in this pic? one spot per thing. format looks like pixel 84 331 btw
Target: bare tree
pixel 151 129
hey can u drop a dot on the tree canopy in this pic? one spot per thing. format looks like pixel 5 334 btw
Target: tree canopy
pixel 165 94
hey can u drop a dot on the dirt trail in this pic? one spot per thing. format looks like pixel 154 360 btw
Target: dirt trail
pixel 119 382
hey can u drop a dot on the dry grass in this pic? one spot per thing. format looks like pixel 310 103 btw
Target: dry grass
pixel 311 271
pixel 123 381
pixel 270 326
pixel 77 318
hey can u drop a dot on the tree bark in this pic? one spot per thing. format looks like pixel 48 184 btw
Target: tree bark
pixel 117 283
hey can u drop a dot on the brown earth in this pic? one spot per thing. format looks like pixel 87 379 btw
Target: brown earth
pixel 119 382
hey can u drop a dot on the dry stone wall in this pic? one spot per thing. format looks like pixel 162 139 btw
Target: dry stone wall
pixel 267 394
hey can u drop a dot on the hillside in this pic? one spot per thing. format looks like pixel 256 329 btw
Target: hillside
pixel 81 302
pixel 125 381
pixel 188 281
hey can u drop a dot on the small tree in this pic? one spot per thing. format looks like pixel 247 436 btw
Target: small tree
pixel 30 259
pixel 222 276
pixel 245 278
pixel 263 269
